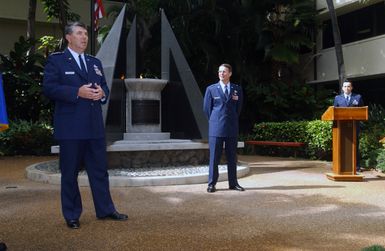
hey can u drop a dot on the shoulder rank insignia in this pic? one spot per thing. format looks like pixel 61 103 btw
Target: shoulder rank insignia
pixel 97 71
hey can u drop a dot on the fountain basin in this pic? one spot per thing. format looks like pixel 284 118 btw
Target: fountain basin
pixel 156 153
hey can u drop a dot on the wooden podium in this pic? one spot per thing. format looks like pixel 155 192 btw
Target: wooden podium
pixel 344 141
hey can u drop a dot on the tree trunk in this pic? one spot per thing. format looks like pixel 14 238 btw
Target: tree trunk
pixel 337 43
pixel 31 24
pixel 62 22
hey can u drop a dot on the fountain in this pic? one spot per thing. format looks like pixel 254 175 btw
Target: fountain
pixel 143 103
pixel 143 143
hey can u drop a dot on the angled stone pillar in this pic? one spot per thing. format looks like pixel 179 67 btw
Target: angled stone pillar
pixel 171 48
pixel 131 51
pixel 108 53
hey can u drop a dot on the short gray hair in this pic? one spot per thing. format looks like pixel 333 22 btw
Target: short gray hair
pixel 70 27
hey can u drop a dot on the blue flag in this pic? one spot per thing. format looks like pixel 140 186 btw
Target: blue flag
pixel 3 110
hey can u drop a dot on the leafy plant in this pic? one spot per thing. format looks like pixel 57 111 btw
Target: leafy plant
pixel 372 131
pixel 26 138
pixel 282 101
pixel 291 26
pixel 374 248
pixel 319 139
pixel 48 44
pixel 316 134
pixel 380 159
pixel 22 78
pixel 59 10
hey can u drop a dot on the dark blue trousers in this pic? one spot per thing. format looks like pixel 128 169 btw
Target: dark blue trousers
pixel 91 153
pixel 216 147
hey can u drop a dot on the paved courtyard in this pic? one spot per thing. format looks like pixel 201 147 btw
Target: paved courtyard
pixel 289 204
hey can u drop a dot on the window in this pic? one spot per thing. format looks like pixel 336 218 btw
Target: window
pixel 357 25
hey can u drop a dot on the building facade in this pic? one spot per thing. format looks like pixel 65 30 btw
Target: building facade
pixel 362 28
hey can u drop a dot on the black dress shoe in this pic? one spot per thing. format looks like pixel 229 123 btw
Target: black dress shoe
pixel 73 224
pixel 211 189
pixel 237 187
pixel 3 247
pixel 115 216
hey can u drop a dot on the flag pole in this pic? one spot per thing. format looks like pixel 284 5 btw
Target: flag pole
pixel 3 110
pixel 92 30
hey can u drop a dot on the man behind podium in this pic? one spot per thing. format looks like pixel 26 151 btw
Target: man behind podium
pixel 350 99
pixel 76 82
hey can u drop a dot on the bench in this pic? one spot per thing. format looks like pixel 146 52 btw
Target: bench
pixel 275 143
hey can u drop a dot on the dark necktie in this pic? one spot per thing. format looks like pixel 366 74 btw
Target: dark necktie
pixel 226 92
pixel 347 99
pixel 82 65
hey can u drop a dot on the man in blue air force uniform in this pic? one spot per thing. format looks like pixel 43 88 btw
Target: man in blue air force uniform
pixel 222 105
pixel 350 99
pixel 76 83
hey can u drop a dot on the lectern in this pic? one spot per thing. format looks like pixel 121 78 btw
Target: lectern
pixel 345 141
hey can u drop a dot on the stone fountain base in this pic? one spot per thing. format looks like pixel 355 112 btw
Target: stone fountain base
pixel 164 158
pixel 147 163
pixel 48 172
pixel 156 153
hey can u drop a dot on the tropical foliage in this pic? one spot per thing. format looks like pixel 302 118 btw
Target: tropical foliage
pixel 22 69
pixel 22 75
pixel 59 9
pixel 263 41
pixel 26 137
pixel 371 132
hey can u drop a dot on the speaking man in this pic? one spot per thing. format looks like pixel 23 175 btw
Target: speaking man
pixel 76 83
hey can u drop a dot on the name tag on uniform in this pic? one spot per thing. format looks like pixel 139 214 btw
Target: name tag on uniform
pixel 217 97
pixel 69 73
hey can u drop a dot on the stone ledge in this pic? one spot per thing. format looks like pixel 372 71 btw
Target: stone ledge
pixel 33 173
pixel 122 146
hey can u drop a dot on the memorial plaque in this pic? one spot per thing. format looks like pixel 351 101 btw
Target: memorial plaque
pixel 145 112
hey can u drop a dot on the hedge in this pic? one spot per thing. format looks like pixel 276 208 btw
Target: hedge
pixel 316 134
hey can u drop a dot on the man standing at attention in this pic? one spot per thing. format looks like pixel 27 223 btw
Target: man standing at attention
pixel 222 105
pixel 350 99
pixel 76 83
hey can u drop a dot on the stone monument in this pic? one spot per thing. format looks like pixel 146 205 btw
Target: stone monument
pixel 138 109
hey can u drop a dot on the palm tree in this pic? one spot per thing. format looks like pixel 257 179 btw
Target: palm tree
pixel 31 24
pixel 291 26
pixel 337 43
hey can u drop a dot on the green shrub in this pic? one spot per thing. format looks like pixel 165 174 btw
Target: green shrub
pixel 22 82
pixel 374 248
pixel 280 131
pixel 26 138
pixel 371 132
pixel 369 147
pixel 381 160
pixel 319 139
pixel 316 134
